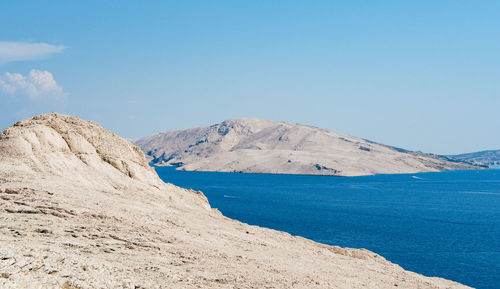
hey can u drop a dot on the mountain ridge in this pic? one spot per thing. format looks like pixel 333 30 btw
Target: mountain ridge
pixel 266 146
pixel 486 157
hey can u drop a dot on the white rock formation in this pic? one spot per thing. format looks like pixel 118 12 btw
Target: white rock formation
pixel 81 208
pixel 264 146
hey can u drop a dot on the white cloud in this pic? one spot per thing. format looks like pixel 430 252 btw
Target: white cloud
pixel 17 51
pixel 36 85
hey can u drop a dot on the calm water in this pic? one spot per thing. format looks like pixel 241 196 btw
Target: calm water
pixel 438 224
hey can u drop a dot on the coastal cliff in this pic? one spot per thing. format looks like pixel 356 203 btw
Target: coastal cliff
pixel 81 208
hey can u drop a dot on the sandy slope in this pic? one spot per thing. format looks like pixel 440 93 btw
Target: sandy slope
pixel 264 146
pixel 80 207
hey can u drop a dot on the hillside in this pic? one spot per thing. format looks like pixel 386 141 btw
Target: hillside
pixel 265 146
pixel 487 158
pixel 81 208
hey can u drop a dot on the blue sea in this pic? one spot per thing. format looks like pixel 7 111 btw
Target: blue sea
pixel 443 224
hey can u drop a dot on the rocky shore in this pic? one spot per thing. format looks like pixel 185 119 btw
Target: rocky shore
pixel 81 208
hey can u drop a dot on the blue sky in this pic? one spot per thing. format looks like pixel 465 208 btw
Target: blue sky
pixel 421 75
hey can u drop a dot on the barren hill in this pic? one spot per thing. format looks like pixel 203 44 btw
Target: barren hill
pixel 81 208
pixel 265 146
pixel 485 158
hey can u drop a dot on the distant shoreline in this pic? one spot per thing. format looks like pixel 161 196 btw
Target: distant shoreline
pixel 177 168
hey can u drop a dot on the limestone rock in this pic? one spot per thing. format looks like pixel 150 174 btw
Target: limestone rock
pixel 80 208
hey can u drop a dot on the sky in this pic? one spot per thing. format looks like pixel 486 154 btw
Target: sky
pixel 421 75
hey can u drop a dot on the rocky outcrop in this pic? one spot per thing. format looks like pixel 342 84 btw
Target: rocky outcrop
pixel 80 208
pixel 264 146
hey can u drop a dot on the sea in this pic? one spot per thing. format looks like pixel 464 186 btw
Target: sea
pixel 444 224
